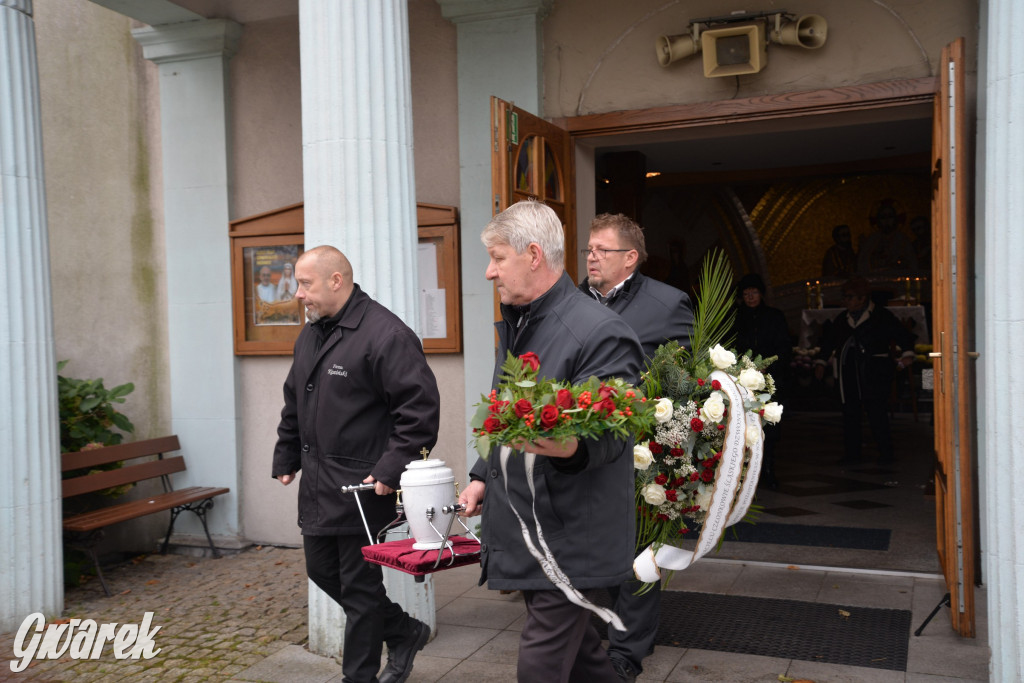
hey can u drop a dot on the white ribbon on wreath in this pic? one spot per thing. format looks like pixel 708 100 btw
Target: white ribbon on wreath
pixel 546 559
pixel 729 501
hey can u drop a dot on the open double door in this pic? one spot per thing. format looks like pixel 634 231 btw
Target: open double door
pixel 532 158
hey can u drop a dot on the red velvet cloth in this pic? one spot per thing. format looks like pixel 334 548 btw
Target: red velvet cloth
pixel 402 556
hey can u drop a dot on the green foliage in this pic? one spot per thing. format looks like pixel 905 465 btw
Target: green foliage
pixel 88 419
pixel 87 412
pixel 716 310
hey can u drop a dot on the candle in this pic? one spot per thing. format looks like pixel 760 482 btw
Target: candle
pixel 817 286
pixel 917 286
pixel 808 294
pixel 906 299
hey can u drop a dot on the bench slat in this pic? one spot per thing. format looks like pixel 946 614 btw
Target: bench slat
pixel 97 481
pixel 125 451
pixel 97 519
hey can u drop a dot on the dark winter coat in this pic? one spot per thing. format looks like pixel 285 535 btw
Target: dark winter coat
pixel 866 349
pixel 763 330
pixel 655 311
pixel 360 399
pixel 585 504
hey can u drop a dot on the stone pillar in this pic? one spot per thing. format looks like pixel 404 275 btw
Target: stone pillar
pixel 32 578
pixel 359 190
pixel 1001 328
pixel 192 58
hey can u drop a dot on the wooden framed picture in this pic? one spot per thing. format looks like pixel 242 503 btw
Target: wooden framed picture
pixel 264 249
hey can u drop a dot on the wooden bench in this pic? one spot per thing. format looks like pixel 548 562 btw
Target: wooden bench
pixel 86 528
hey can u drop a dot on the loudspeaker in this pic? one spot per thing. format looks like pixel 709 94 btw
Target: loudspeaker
pixel 673 48
pixel 809 31
pixel 734 50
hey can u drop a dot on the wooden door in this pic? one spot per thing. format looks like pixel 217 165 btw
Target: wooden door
pixel 531 158
pixel 951 234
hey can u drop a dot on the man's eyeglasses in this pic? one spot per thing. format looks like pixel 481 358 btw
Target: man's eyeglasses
pixel 599 254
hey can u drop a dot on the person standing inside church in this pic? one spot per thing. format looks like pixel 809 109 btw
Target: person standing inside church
pixel 762 329
pixel 657 313
pixel 867 343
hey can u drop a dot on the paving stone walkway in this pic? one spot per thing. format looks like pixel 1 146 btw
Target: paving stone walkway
pixel 217 617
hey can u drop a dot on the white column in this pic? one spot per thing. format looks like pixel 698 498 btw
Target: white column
pixel 1001 329
pixel 357 162
pixel 359 189
pixel 31 568
pixel 192 58
pixel 500 52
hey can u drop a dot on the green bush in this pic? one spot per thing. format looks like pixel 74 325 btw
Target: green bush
pixel 87 412
pixel 88 419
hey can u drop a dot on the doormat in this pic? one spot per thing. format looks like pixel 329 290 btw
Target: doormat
pixel 855 538
pixel 789 629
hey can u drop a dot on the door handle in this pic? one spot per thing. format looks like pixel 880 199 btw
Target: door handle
pixel 935 354
pixel 973 354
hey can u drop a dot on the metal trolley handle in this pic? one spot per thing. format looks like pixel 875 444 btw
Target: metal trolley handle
pixel 354 489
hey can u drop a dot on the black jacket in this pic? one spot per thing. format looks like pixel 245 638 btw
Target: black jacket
pixel 656 312
pixel 360 399
pixel 866 351
pixel 763 330
pixel 585 504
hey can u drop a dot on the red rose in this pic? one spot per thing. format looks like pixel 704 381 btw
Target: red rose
pixel 707 475
pixel 548 416
pixel 677 452
pixel 606 407
pixel 671 495
pixel 492 424
pixel 563 399
pixel 523 408
pixel 655 447
pixel 661 479
pixel 716 385
pixel 605 392
pixel 497 407
pixel 694 476
pixel 720 427
pixel 696 425
pixel 700 382
pixel 530 361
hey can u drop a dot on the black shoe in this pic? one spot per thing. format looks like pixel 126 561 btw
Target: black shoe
pixel 624 670
pixel 401 655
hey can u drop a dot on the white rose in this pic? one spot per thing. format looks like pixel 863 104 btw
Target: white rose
pixel 772 412
pixel 753 435
pixel 703 500
pixel 752 379
pixel 654 494
pixel 721 358
pixel 714 407
pixel 642 457
pixel 663 410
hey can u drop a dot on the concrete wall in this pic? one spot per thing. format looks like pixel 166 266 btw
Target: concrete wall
pixel 101 148
pixel 102 154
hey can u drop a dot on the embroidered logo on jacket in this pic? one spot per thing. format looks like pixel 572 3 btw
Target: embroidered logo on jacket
pixel 337 370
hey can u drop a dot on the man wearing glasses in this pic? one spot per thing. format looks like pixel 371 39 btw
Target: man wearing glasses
pixel 657 313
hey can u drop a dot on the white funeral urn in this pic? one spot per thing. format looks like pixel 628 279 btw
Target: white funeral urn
pixel 427 486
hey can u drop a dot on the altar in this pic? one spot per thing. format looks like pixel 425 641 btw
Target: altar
pixel 812 320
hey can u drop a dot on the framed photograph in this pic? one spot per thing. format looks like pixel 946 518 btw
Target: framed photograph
pixel 267 316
